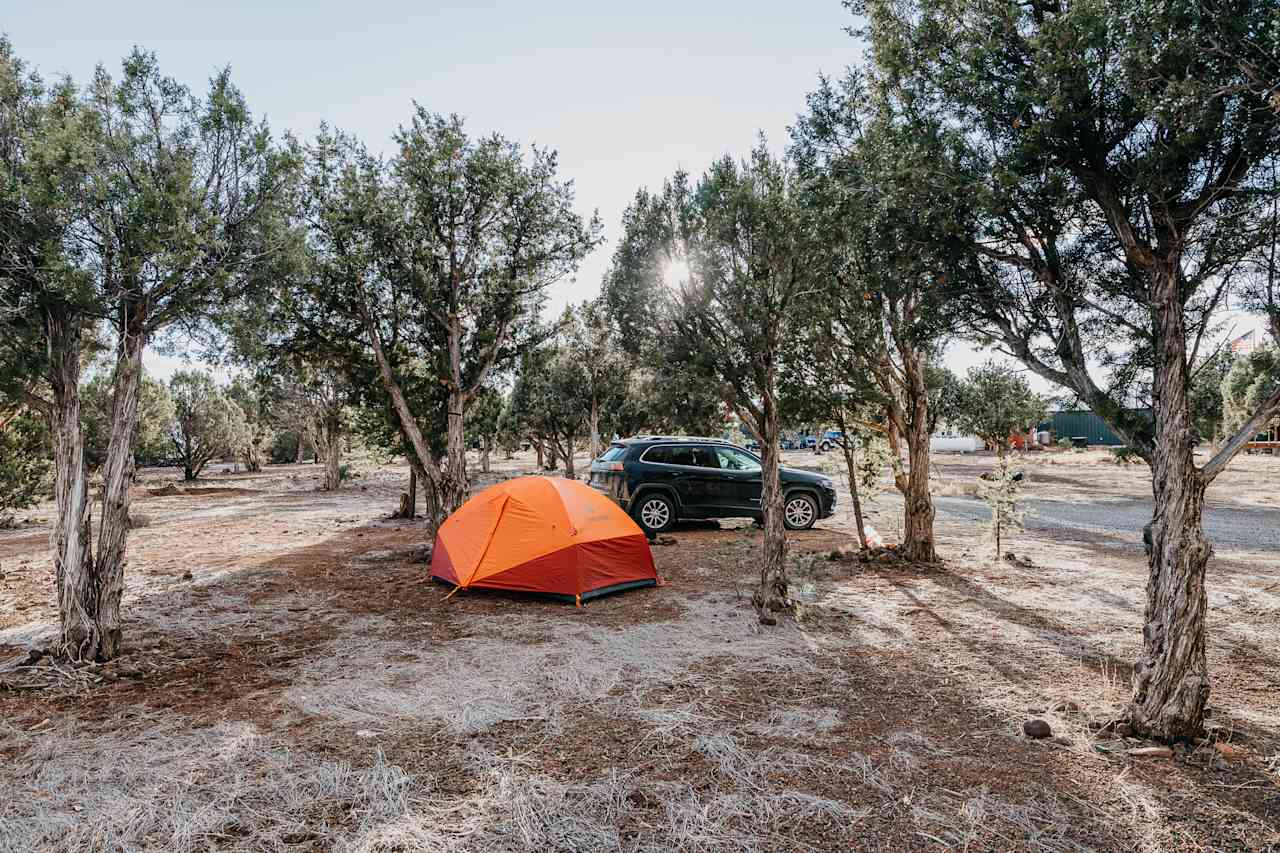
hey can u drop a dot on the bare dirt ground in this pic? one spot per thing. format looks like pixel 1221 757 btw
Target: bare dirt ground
pixel 294 682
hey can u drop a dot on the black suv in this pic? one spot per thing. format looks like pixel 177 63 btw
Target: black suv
pixel 659 479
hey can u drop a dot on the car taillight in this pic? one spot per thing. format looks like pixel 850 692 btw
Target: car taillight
pixel 615 466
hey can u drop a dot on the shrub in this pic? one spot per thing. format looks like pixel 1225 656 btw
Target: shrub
pixel 26 469
pixel 1125 455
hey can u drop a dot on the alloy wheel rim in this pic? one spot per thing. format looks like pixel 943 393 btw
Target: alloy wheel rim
pixel 655 514
pixel 799 512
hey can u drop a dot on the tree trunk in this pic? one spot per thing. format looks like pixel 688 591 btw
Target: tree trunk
pixel 69 540
pixel 297 456
pixel 454 484
pixel 429 469
pixel 772 596
pixel 567 453
pixel 594 426
pixel 917 502
pixel 537 446
pixel 413 492
pixel 553 457
pixel 254 457
pixel 1171 680
pixel 409 500
pixel 851 468
pixel 330 439
pixel 486 447
pixel 117 475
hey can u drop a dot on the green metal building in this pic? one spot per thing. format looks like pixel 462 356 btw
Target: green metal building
pixel 1081 423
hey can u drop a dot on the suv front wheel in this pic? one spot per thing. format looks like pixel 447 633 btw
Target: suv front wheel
pixel 655 514
pixel 799 512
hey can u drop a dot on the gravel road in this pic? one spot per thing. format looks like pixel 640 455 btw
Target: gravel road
pixel 1254 529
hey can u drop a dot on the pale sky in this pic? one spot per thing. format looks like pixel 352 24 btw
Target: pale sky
pixel 626 92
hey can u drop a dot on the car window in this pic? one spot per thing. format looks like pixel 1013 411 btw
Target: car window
pixel 681 456
pixel 705 457
pixel 614 453
pixel 732 459
pixel 661 455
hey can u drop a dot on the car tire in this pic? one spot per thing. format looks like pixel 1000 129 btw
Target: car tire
pixel 799 511
pixel 826 445
pixel 655 513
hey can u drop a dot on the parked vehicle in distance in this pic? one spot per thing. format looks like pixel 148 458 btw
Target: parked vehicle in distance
pixel 661 479
pixel 808 442
pixel 831 439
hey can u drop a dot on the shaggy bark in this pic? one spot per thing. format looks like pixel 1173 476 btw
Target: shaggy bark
pixel 772 595
pixel 454 483
pixel 117 475
pixel 908 416
pixel 332 441
pixel 69 540
pixel 1171 680
pixel 486 447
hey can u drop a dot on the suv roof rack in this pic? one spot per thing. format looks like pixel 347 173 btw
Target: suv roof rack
pixel 698 438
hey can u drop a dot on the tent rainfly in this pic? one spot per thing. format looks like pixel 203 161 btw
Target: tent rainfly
pixel 543 535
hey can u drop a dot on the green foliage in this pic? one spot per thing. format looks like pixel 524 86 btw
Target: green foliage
pixel 206 424
pixel 151 442
pixel 1125 455
pixel 1111 169
pixel 946 393
pixel 1251 380
pixel 1207 403
pixel 996 402
pixel 871 458
pixel 257 402
pixel 1000 491
pixel 484 417
pixel 26 469
pixel 551 398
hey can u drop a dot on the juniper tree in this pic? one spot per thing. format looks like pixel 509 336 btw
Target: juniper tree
pixel 130 203
pixel 151 445
pixel 555 393
pixel 883 266
pixel 428 273
pixel 1115 178
pixel 727 264
pixel 1000 493
pixel 996 403
pixel 206 424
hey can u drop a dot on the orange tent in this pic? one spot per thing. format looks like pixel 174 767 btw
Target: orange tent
pixel 545 535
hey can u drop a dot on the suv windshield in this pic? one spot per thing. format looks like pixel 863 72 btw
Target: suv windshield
pixel 732 459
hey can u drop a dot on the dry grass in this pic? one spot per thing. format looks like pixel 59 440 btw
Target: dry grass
pixel 888 720
pixel 165 788
pixel 472 684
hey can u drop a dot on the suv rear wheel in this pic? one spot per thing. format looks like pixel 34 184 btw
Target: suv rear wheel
pixel 799 512
pixel 655 513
